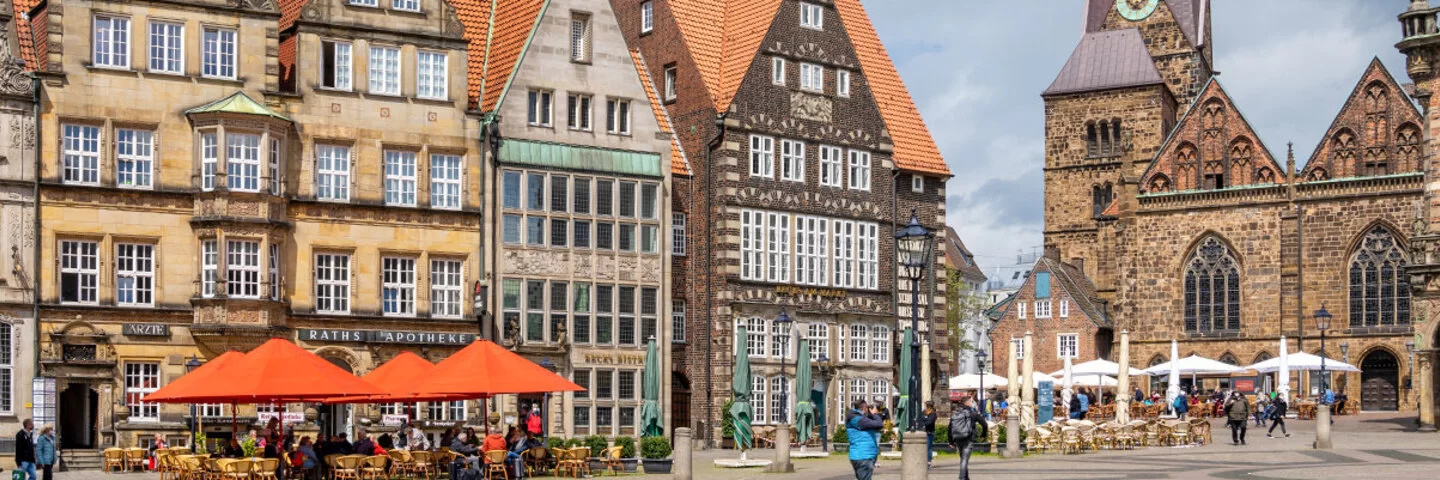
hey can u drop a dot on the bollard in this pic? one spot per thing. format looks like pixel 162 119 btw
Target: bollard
pixel 1012 434
pixel 913 453
pixel 1322 427
pixel 781 464
pixel 683 459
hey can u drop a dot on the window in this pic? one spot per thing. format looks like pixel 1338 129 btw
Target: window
pixel 81 163
pixel 511 233
pixel 669 82
pixel 332 173
pixel 510 303
pixel 385 70
pixel 648 206
pixel 779 389
pixel 677 234
pixel 1017 345
pixel 778 247
pixel 242 162
pixel 559 309
pixel 430 76
pixel 219 58
pixel 445 288
pixel 811 250
pixel 818 336
pixel 625 385
pixel 627 199
pixel 445 181
pixel 762 156
pixel 1042 309
pixel 649 314
pixel 830 166
pixel 580 37
pixel 274 272
pixel 759 400
pixel 812 77
pixel 604 308
pixel 407 5
pixel 859 346
pixel 141 379
pixel 604 197
pixel 209 267
pixel 112 42
pixel 331 283
pixel 649 239
pixel 1020 306
pixel 752 250
pixel 559 232
pixel 647 16
pixel 7 368
pixel 842 83
pixel 626 237
pixel 242 268
pixel 917 183
pixel 79 271
pixel 535 311
pixel 580 333
pixel 859 170
pixel 167 51
pixel 581 198
pixel 579 112
pixel 755 335
pixel 134 157
pixel 880 391
pixel 400 178
pixel 604 235
pixel 1064 308
pixel 880 344
pixel 275 180
pixel 625 327
pixel 1067 345
pixel 581 236
pixel 539 108
pixel 605 384
pixel 365 3
pixel 134 274
pixel 844 259
pixel 859 389
pixel 812 16
pixel 617 116
pixel 1212 289
pixel 677 321
pixel 335 65
pixel 448 411
pixel 777 71
pixel 209 159
pixel 397 286
pixel 1379 285
pixel 867 241
pixel 559 193
pixel 792 160
pixel 511 187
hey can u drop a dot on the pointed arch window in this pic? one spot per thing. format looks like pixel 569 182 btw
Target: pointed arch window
pixel 1212 289
pixel 1379 287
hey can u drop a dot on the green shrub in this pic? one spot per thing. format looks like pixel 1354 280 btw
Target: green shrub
pixel 841 435
pixel 727 427
pixel 597 444
pixel 250 447
pixel 574 442
pixel 942 433
pixel 887 433
pixel 627 446
pixel 655 447
pixel 555 442
pixel 1000 435
pixel 202 443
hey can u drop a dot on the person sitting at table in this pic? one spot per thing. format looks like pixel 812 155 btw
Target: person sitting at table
pixel 306 449
pixel 473 439
pixel 363 444
pixel 386 441
pixel 447 436
pixel 342 444
pixel 416 439
pixel 465 450
pixel 233 449
pixel 518 442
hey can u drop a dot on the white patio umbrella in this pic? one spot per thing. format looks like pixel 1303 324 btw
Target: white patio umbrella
pixel 971 381
pixel 1302 361
pixel 1096 381
pixel 1172 391
pixel 1282 379
pixel 1037 377
pixel 1097 367
pixel 1194 365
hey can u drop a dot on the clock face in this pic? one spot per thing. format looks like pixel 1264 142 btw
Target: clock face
pixel 1135 10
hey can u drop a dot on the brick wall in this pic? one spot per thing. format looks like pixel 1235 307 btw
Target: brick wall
pixel 1092 341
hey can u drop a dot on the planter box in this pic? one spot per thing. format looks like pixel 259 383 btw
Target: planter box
pixel 944 448
pixel 630 464
pixel 658 465
pixel 840 447
pixel 596 466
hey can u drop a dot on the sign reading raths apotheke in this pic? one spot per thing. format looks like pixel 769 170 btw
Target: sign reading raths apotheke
pixel 385 336
pixel 792 290
pixel 145 330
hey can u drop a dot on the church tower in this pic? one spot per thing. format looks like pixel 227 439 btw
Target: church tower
pixel 1133 74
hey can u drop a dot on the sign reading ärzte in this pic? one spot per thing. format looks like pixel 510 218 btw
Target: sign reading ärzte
pixel 385 336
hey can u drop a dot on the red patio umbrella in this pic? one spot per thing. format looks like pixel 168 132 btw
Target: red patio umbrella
pixel 398 378
pixel 278 371
pixel 186 385
pixel 484 369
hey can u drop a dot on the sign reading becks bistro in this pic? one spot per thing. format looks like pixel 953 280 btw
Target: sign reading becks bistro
pixel 385 336
pixel 145 330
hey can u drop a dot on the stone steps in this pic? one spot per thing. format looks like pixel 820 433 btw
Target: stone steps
pixel 71 460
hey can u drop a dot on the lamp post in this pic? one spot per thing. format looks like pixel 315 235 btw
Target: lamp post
pixel 1344 356
pixel 980 395
pixel 1322 420
pixel 190 366
pixel 782 464
pixel 783 323
pixel 823 367
pixel 913 245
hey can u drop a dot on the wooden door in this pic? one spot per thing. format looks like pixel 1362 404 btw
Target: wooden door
pixel 1380 382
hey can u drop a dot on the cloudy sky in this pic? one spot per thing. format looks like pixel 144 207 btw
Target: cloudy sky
pixel 976 69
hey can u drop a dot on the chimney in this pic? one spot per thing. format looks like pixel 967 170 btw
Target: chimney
pixel 1052 251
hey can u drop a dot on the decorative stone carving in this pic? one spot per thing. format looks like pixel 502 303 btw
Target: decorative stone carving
pixel 810 107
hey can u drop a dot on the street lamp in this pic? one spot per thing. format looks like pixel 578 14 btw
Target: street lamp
pixel 190 366
pixel 783 323
pixel 913 245
pixel 823 367
pixel 1322 322
pixel 980 370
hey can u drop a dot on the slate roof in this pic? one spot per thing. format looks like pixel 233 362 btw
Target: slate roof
pixel 1106 60
pixel 1074 282
pixel 1188 14
pixel 959 257
pixel 678 163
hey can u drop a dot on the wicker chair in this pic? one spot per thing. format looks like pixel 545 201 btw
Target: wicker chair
pixel 135 459
pixel 191 468
pixel 347 467
pixel 236 469
pixel 536 459
pixel 1200 431
pixel 1034 439
pixel 495 465
pixel 372 467
pixel 1179 433
pixel 114 459
pixel 1070 439
pixel 423 463
pixel 402 465
pixel 1104 435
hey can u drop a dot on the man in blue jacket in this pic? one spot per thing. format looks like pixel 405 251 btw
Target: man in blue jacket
pixel 862 427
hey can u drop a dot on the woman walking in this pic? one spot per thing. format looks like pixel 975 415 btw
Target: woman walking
pixel 45 451
pixel 1277 416
pixel 1237 410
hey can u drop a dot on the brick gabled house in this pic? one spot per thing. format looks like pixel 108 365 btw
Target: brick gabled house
pixel 1057 304
pixel 804 151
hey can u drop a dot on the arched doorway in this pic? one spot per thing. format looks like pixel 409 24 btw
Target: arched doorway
pixel 1380 382
pixel 336 418
pixel 79 408
pixel 680 401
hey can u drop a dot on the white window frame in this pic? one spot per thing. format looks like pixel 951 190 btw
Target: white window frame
pixel 581 36
pixel 274 180
pixel 817 334
pixel 792 160
pixel 541 108
pixel 859 170
pixel 811 250
pixel 777 71
pixel 343 66
pixel 812 16
pixel 134 158
pixel 762 156
pixel 780 387
pixel 209 267
pixel 242 162
pixel 843 260
pixel 385 68
pixel 365 3
pixel 1064 308
pixel 917 183
pixel 832 166
pixel 142 379
pixel 110 42
pixel 1017 346
pixel 1019 304
pixel 447 186
pixel 1067 341
pixel 671 77
pixel 216 61
pixel 332 283
pixel 400 181
pixel 446 288
pixel 867 255
pixel 274 255
pixel 812 77
pixel 167 47
pixel 209 159
pixel 7 367
pixel 81 154
pixel 859 343
pixel 134 274
pixel 678 241
pixel 677 321
pixel 617 112
pixel 757 331
pixel 431 77
pixel 82 259
pixel 842 83
pixel 406 5
pixel 1042 308
pixel 777 247
pixel 647 16
pixel 880 341
pixel 760 400
pixel 397 278
pixel 332 173
pixel 752 246
pixel 242 268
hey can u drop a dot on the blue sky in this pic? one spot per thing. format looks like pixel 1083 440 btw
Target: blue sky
pixel 976 69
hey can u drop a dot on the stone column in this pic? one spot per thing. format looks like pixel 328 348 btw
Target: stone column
pixel 1122 394
pixel 1012 414
pixel 1013 392
pixel 1027 388
pixel 781 464
pixel 1322 427
pixel 682 465
pixel 913 461
pixel 1427 389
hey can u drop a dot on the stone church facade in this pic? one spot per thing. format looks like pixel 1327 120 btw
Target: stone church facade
pixel 1191 228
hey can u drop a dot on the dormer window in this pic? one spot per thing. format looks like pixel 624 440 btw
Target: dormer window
pixel 812 16
pixel 580 37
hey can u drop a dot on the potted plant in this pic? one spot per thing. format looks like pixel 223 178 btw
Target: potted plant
pixel 554 443
pixel 597 444
pixel 727 428
pixel 840 441
pixel 656 452
pixel 887 436
pixel 627 453
pixel 250 447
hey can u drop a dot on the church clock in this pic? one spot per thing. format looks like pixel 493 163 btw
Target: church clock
pixel 1136 10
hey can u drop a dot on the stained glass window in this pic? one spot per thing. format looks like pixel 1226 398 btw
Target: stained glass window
pixel 1379 288
pixel 1212 289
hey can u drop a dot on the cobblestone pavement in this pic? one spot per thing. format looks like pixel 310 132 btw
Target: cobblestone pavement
pixel 1367 447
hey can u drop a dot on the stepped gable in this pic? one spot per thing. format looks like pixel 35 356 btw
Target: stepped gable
pixel 1377 132
pixel 1212 148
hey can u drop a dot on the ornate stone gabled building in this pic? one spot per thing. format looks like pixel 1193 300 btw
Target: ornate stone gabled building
pixel 1161 192
pixel 17 236
pixel 805 150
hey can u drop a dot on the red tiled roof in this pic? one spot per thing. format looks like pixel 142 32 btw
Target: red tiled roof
pixel 915 149
pixel 704 35
pixel 678 163
pixel 1113 210
pixel 508 29
pixel 22 31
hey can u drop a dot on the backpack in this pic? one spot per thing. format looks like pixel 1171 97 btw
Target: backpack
pixel 1075 403
pixel 962 426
